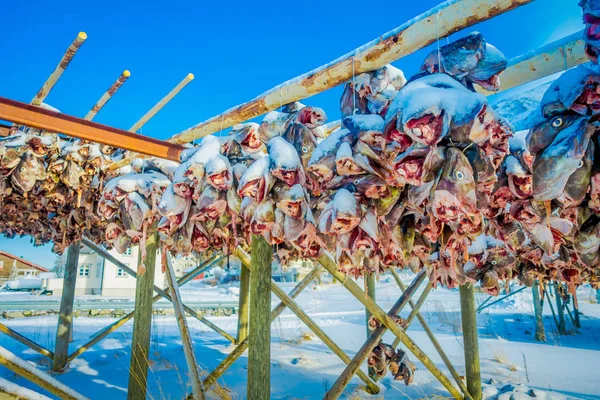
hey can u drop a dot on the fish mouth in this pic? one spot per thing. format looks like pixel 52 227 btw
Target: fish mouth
pixel 322 172
pixel 403 140
pixel 410 169
pixel 347 166
pixel 252 140
pixel 341 225
pixel 446 206
pixel 291 208
pixel 592 52
pixel 183 189
pixel 377 192
pixel 492 83
pixel 427 129
pixel 588 99
pixel 359 240
pixel 289 177
pixel 220 181
pixel 521 187
pixel 199 240
pixel 250 189
pixel 258 228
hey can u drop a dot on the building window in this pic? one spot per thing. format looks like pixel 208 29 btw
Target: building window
pixel 98 268
pixel 84 270
pixel 121 273
pixel 127 252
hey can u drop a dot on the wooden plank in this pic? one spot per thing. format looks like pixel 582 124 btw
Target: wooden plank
pixel 296 309
pixel 60 68
pixel 105 254
pixel 327 261
pixel 438 347
pixel 36 117
pixel 560 312
pixel 26 341
pixel 554 57
pixel 184 331
pixel 243 346
pixel 373 340
pixel 142 324
pixel 439 22
pixel 107 95
pixel 244 304
pixel 40 378
pixel 259 337
pixel 122 321
pixel 540 332
pixel 470 340
pixel 158 106
pixel 5 130
pixel 65 317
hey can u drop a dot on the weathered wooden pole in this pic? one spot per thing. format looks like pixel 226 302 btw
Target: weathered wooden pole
pixel 65 317
pixel 259 337
pixel 470 340
pixel 540 332
pixel 370 291
pixel 142 324
pixel 107 95
pixel 184 331
pixel 577 321
pixel 26 341
pixel 244 304
pixel 560 311
pixel 40 378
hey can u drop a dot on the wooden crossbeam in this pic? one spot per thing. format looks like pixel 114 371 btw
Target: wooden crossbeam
pixel 107 95
pixel 554 57
pixel 122 321
pixel 35 375
pixel 60 68
pixel 327 261
pixel 26 341
pixel 442 21
pixel 105 254
pixel 36 117
pixel 296 309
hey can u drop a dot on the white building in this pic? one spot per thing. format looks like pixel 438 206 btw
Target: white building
pixel 98 276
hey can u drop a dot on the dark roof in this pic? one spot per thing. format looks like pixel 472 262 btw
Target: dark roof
pixel 22 260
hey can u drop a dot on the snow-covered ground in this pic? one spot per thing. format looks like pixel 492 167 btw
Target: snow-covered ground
pixel 513 364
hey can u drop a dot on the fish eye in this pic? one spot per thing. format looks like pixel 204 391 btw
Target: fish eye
pixel 356 181
pixel 459 175
pixel 494 262
pixel 304 149
pixel 580 164
pixel 557 122
pixel 277 189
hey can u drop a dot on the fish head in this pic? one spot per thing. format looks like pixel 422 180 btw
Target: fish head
pixel 293 202
pixel 408 166
pixel 576 90
pixel 311 117
pixel 544 133
pixel 578 183
pixel 347 213
pixel 591 18
pixel 211 204
pixel 284 162
pixel 218 172
pixel 171 204
pixel 345 164
pixel 455 192
pixel 256 181
pixel 200 238
pixel 372 187
pixel 303 140
pixel 457 58
pixel 112 232
pixel 248 136
pixel 29 170
pixel 263 218
pixel 486 72
pixel 554 166
pixel 427 127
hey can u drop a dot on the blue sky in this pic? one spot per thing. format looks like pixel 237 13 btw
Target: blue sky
pixel 236 50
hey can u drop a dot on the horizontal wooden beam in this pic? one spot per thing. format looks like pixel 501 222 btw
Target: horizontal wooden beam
pixel 554 57
pixel 439 22
pixel 26 341
pixel 37 376
pixel 36 117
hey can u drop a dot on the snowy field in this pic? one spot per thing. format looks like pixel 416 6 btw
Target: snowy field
pixel 304 368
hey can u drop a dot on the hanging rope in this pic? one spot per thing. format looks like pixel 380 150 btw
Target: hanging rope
pixel 564 53
pixel 221 131
pixel 353 88
pixel 281 99
pixel 437 34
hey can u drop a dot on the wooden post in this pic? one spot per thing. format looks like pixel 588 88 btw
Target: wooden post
pixel 470 340
pixel 577 321
pixel 65 318
pixel 184 331
pixel 560 311
pixel 142 324
pixel 107 95
pixel 540 333
pixel 40 378
pixel 362 354
pixel 370 291
pixel 26 341
pixel 259 337
pixel 243 309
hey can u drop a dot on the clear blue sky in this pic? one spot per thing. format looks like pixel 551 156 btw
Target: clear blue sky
pixel 236 50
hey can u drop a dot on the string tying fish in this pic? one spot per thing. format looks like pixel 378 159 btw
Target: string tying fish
pixel 353 88
pixel 437 34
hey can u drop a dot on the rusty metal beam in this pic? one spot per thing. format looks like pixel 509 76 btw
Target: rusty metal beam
pixel 36 117
pixel 554 57
pixel 60 68
pixel 444 20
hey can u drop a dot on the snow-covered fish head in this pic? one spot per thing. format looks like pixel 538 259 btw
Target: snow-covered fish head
pixel 273 124
pixel 200 237
pixel 345 164
pixel 368 128
pixel 107 209
pixel 455 192
pixel 553 167
pixel 263 218
pixel 458 57
pixel 113 231
pixel 322 162
pixel 311 117
pixel 137 208
pixel 577 89
pixel 247 135
pixel 256 181
pixel 211 204
pixel 486 72
pixel 172 205
pixel 591 18
pixel 293 202
pixel 366 235
pixel 284 162
pixel 41 145
pixel 341 215
pixel 218 172
pixel 29 170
